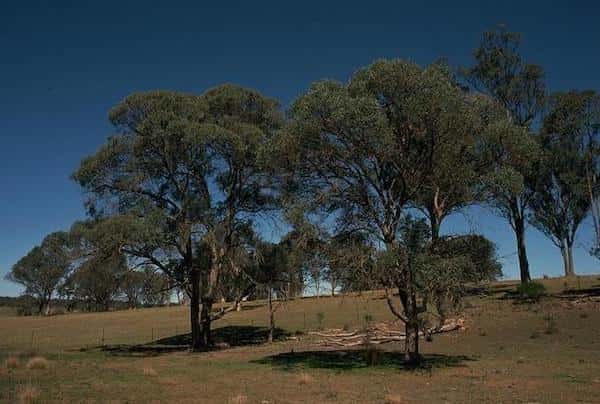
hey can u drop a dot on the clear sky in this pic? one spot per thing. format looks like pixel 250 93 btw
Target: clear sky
pixel 63 64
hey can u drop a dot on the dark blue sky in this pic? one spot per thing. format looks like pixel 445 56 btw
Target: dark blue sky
pixel 63 64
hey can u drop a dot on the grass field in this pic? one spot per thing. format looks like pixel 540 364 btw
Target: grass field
pixel 546 352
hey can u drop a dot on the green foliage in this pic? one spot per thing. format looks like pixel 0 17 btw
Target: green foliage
pixel 518 91
pixel 438 269
pixel 184 175
pixel 364 150
pixel 501 72
pixel 96 281
pixel 568 169
pixel 531 290
pixel 478 249
pixel 43 268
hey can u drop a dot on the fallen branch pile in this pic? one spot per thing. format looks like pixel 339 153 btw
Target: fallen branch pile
pixel 380 333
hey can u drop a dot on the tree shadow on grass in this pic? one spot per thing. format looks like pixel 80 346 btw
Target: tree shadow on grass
pixel 345 360
pixel 568 294
pixel 593 291
pixel 229 336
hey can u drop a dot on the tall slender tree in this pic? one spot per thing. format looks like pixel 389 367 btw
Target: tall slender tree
pixel 501 73
pixel 570 143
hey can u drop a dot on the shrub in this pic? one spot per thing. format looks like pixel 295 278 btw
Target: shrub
pixel 320 318
pixel 393 399
pixel 37 362
pixel 531 290
pixel 551 327
pixel 238 399
pixel 305 378
pixel 150 372
pixel 12 362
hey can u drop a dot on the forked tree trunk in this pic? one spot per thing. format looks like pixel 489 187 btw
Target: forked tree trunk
pixel 411 342
pixel 521 250
pixel 196 342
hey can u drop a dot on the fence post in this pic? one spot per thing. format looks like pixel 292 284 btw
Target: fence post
pixel 102 336
pixel 152 339
pixel 32 337
pixel 304 321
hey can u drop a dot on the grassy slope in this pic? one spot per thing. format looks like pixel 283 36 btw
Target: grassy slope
pixel 546 352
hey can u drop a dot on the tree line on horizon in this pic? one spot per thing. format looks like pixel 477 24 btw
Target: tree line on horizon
pixel 360 176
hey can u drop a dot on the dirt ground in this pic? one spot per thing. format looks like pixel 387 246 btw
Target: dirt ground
pixel 510 352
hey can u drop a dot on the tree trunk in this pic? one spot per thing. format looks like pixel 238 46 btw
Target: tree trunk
pixel 205 321
pixel 435 227
pixel 571 263
pixel 567 255
pixel 333 286
pixel 271 316
pixel 48 306
pixel 196 342
pixel 411 347
pixel 411 342
pixel 41 305
pixel 521 250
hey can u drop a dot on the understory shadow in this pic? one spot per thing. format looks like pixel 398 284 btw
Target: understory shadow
pixel 342 360
pixel 223 337
pixel 568 294
pixel 593 291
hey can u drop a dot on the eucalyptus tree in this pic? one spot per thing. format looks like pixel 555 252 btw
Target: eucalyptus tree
pixel 178 180
pixel 242 127
pixel 501 73
pixel 147 184
pixel 363 152
pixel 570 144
pixel 96 281
pixel 43 269
pixel 272 273
pixel 131 285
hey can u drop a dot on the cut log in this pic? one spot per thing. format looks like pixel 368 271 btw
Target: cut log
pixel 377 334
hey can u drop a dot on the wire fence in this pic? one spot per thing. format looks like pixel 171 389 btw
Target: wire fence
pixel 170 326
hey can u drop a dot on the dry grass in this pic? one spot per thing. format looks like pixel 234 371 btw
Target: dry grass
pixel 305 378
pixel 238 399
pixel 28 394
pixel 12 362
pixel 393 399
pixel 150 372
pixel 38 363
pixel 467 367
